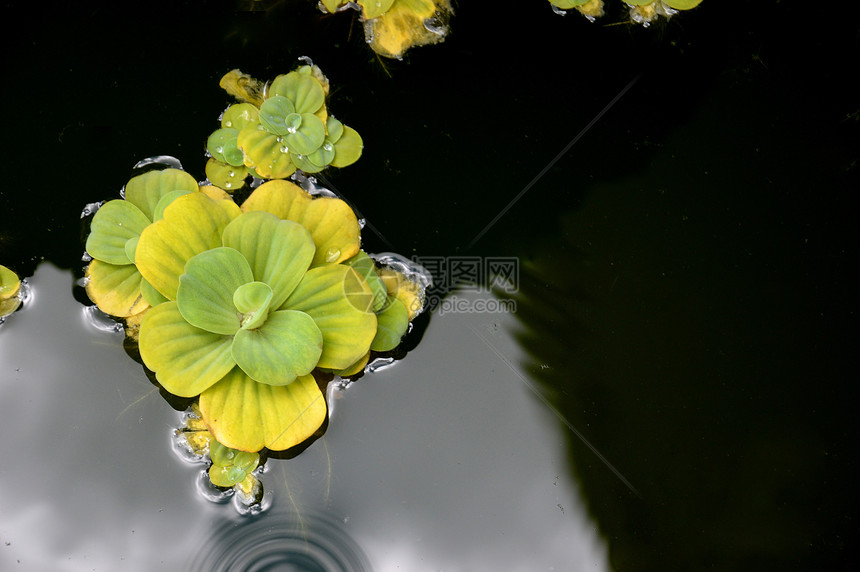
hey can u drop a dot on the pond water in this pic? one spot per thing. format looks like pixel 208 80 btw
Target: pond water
pixel 672 387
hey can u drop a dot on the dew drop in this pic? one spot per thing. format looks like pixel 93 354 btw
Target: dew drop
pixel 228 124
pixel 332 254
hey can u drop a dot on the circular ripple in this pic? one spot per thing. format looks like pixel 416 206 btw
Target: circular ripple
pixel 316 543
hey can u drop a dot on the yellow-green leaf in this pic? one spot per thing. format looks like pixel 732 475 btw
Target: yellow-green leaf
pixel 113 225
pixel 347 327
pixel 331 222
pixel 144 191
pixel 115 288
pixel 266 153
pixel 286 346
pixel 206 288
pixel 682 4
pixel 192 224
pixel 279 251
pixel 246 415
pixel 393 321
pixel 186 360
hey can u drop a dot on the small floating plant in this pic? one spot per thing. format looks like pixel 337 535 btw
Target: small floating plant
pixel 10 292
pixel 391 27
pixel 641 11
pixel 249 308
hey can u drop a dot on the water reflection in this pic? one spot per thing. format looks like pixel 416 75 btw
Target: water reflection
pixel 443 461
pixel 310 541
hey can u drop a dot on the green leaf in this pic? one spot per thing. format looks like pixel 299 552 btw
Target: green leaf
pixel 164 202
pixel 365 266
pixel 393 321
pixel 230 466
pixel 276 114
pixel 152 296
pixel 682 4
pixel 286 346
pixel 567 4
pixel 222 146
pixel 192 224
pixel 347 328
pixel 116 289
pixel 130 247
pixel 246 415
pixel 205 293
pixel 253 300
pixel 348 148
pixel 331 222
pixel 113 225
pixel 305 135
pixel 225 176
pixel 374 8
pixel 304 91
pixel 9 283
pixel 302 162
pixel 144 191
pixel 333 128
pixel 333 5
pixel 279 251
pixel 322 156
pixel 186 360
pixel 240 115
pixel 266 153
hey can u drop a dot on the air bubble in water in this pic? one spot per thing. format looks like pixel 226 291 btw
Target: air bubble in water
pixel 165 160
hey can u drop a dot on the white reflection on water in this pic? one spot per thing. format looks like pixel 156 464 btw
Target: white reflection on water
pixel 86 480
pixel 443 461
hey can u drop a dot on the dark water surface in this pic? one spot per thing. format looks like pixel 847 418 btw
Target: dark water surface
pixel 674 390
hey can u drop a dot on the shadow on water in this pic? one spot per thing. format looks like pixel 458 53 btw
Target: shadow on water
pixel 693 322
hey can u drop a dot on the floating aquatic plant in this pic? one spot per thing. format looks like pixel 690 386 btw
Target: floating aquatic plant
pixel 391 27
pixel 10 287
pixel 641 11
pixel 278 128
pixel 250 309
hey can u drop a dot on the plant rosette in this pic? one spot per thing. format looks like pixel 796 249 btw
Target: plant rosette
pixel 591 9
pixel 391 27
pixel 645 11
pixel 277 129
pixel 256 300
pixel 112 279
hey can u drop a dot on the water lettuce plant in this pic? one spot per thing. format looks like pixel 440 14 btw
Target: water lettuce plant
pixel 257 299
pixel 391 27
pixel 10 286
pixel 278 128
pixel 249 309
pixel 641 11
pixel 113 281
